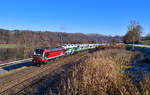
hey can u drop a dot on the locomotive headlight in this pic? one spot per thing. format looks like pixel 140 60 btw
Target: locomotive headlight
pixel 34 53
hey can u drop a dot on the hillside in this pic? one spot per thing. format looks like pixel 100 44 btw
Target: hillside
pixel 48 38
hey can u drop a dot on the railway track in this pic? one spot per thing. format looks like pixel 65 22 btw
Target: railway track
pixel 34 76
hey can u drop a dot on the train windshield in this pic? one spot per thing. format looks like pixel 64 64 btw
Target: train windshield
pixel 38 52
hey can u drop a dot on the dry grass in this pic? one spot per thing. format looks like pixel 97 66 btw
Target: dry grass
pixel 34 74
pixel 103 74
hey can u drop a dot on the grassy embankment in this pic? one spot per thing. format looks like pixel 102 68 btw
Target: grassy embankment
pixel 103 73
pixel 8 46
pixel 11 46
pixel 146 42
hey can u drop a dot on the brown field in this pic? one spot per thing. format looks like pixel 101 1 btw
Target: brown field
pixel 112 47
pixel 103 73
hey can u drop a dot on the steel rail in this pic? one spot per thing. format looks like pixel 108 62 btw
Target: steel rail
pixel 36 78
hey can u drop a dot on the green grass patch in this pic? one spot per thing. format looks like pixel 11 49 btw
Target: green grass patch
pixel 146 42
pixel 8 46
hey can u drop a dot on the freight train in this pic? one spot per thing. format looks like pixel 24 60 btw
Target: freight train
pixel 42 56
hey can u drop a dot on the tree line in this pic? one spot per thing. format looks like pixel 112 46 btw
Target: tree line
pixel 50 39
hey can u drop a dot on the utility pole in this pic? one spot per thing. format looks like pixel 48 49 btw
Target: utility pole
pixel 133 40
pixel 133 43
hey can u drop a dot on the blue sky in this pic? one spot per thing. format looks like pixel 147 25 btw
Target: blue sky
pixel 108 17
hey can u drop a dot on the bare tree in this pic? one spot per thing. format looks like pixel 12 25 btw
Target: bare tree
pixel 134 33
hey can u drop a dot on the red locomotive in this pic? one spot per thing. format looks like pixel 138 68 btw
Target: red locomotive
pixel 41 56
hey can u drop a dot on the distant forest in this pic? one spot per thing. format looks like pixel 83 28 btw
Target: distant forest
pixel 51 39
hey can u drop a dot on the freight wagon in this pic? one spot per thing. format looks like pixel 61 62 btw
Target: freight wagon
pixel 42 56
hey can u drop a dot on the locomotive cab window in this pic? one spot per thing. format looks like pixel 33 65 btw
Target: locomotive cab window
pixel 38 52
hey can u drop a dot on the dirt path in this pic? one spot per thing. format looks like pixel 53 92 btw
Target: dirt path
pixel 19 76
